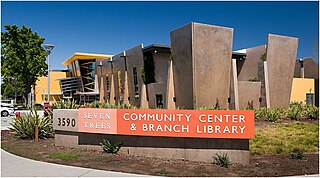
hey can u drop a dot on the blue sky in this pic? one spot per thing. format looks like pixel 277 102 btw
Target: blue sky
pixel 111 27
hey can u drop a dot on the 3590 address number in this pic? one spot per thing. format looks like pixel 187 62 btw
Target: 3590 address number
pixel 66 122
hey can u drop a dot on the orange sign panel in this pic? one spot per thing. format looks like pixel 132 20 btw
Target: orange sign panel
pixel 172 123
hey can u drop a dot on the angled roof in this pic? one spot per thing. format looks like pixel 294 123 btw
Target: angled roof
pixel 157 47
pixel 84 56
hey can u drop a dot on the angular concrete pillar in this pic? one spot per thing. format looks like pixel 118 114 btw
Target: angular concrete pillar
pixel 143 99
pixel 126 89
pixel 170 104
pixel 102 93
pixel 112 91
pixel 281 58
pixel 201 65
pixel 235 84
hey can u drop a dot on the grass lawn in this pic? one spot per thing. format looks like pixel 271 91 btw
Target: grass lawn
pixel 283 138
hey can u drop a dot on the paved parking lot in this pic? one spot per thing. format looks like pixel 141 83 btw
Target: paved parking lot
pixel 5 121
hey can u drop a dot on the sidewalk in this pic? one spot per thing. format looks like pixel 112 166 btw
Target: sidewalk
pixel 15 166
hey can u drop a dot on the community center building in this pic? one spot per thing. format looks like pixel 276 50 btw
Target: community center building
pixel 199 69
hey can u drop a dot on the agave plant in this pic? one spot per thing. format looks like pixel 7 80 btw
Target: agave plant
pixel 25 126
pixel 222 160
pixel 65 104
pixel 109 106
pixel 111 147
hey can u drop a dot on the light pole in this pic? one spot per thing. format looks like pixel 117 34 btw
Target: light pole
pixel 48 48
pixel 101 94
pixel 15 90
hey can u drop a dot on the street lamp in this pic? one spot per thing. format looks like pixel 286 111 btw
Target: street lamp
pixel 48 48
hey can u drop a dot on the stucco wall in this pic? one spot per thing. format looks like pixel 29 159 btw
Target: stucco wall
pixel 153 89
pixel 212 52
pixel 300 87
pixel 134 59
pixel 248 92
pixel 311 69
pixel 161 66
pixel 281 56
pixel 55 90
pixel 181 48
pixel 118 65
pixel 248 68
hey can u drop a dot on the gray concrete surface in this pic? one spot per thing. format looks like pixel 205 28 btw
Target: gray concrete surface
pixel 15 166
pixel 6 121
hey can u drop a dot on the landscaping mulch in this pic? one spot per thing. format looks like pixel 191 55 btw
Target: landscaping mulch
pixel 260 165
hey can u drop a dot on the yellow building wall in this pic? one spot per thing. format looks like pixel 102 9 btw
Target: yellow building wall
pixel 41 88
pixel 300 87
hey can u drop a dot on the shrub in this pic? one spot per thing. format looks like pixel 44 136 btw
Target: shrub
pixel 250 105
pixel 260 113
pixel 66 104
pixel 217 106
pixel 275 114
pixel 111 147
pixel 222 160
pixel 296 153
pixel 312 112
pixel 97 104
pixel 254 79
pixel 25 126
pixel 296 111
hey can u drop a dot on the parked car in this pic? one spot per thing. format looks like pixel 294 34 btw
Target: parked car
pixel 6 111
pixel 7 103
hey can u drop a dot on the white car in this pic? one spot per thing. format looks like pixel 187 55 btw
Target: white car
pixel 6 111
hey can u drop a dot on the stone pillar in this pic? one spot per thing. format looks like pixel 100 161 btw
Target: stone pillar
pixel 102 95
pixel 170 104
pixel 143 99
pixel 235 84
pixel 96 84
pixel 112 91
pixel 126 89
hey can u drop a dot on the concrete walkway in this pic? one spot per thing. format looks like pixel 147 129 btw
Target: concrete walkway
pixel 15 166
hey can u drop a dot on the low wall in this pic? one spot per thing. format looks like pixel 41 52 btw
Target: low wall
pixel 249 92
pixel 193 149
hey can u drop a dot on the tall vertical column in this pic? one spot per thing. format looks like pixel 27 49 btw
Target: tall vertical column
pixel 102 95
pixel 143 100
pixel 266 82
pixel 170 104
pixel 112 91
pixel 235 84
pixel 126 89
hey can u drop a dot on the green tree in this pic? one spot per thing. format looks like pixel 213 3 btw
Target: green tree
pixel 23 57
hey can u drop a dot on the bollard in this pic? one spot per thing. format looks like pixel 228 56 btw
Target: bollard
pixel 18 115
pixel 36 133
